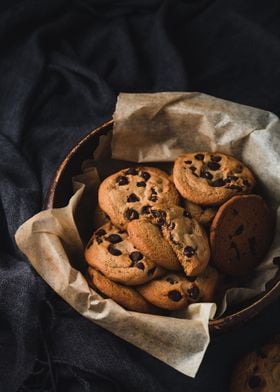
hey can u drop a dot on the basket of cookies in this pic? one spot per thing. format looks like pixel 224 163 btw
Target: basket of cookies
pixel 173 227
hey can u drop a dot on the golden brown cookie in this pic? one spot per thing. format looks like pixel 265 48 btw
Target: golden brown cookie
pixel 111 252
pixel 203 288
pixel 258 371
pixel 211 178
pixel 168 292
pixel 184 234
pixel 148 239
pixel 128 297
pixel 203 214
pixel 241 234
pixel 124 195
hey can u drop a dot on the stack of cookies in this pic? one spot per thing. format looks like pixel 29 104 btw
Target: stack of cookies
pixel 170 240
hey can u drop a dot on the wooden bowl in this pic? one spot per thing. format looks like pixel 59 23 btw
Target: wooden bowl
pixel 60 190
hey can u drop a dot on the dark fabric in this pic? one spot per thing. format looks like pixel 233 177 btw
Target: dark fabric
pixel 62 65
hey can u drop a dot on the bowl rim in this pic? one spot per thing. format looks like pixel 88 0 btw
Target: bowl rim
pixel 216 326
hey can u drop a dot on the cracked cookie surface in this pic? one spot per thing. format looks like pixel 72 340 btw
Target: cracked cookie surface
pixel 148 238
pixel 211 178
pixel 111 252
pixel 124 195
pixel 185 235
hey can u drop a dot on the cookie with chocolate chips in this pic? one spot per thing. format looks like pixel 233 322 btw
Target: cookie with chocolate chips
pixel 125 296
pixel 185 235
pixel 147 237
pixel 124 195
pixel 203 214
pixel 203 288
pixel 241 234
pixel 111 252
pixel 168 292
pixel 258 371
pixel 211 178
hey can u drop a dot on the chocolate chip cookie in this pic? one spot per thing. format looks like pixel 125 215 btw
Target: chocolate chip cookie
pixel 203 288
pixel 211 178
pixel 258 371
pixel 203 214
pixel 168 292
pixel 111 252
pixel 148 239
pixel 128 297
pixel 241 234
pixel 124 195
pixel 185 235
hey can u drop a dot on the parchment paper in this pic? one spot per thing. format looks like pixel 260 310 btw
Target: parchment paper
pixel 155 128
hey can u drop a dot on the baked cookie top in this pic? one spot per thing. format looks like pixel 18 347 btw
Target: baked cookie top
pixel 185 235
pixel 128 297
pixel 258 371
pixel 124 195
pixel 211 178
pixel 168 292
pixel 111 252
pixel 148 238
pixel 241 234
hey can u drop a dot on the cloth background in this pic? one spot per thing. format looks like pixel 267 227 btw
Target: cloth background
pixel 62 65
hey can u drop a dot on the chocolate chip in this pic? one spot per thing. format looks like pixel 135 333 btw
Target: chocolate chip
pixel 141 184
pixel 232 178
pixel 145 175
pixel 234 188
pixel 213 166
pixel 170 280
pixel 153 198
pixel 187 214
pixel 140 266
pixel 191 278
pixel 151 271
pixel 199 157
pixel 122 180
pixel 234 246
pixel 99 240
pixel 100 232
pixel 188 162
pixel 114 251
pixel 189 251
pixel 154 192
pixel 252 245
pixel 218 183
pixel 239 230
pixel 131 214
pixel 193 292
pixel 276 260
pixel 145 209
pixel 90 243
pixel 136 256
pixel 132 198
pixel 132 170
pixel 174 295
pixel 206 175
pixel 171 226
pixel 193 168
pixel 158 214
pixel 215 158
pixel 246 183
pixel 254 382
pixel 114 238
pixel 238 169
